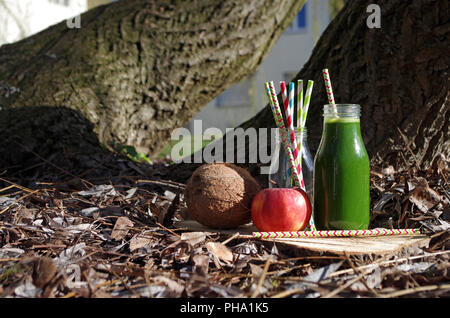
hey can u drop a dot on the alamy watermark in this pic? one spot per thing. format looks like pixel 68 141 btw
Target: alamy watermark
pixel 74 23
pixel 374 19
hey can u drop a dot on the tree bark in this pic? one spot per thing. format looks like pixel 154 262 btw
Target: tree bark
pixel 134 71
pixel 399 74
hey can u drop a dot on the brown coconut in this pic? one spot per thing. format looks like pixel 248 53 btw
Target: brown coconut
pixel 219 195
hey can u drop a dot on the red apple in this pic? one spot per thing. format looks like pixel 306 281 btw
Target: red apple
pixel 281 210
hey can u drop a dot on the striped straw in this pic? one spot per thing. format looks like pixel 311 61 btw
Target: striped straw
pixel 329 88
pixel 284 96
pixel 339 233
pixel 299 103
pixel 270 88
pixel 290 121
pixel 309 90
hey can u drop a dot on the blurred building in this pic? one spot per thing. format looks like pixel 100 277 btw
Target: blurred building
pixel 22 18
pixel 244 100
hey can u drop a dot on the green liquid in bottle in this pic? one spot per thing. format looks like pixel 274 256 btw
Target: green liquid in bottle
pixel 342 177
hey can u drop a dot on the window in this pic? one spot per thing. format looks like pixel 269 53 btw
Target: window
pixel 300 22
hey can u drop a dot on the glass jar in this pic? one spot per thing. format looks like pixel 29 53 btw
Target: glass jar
pixel 341 172
pixel 280 176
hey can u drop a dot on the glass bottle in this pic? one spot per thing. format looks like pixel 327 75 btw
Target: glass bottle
pixel 279 176
pixel 341 172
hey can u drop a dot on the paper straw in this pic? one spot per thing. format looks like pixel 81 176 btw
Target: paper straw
pixel 291 103
pixel 299 103
pixel 329 88
pixel 284 96
pixel 339 233
pixel 309 90
pixel 290 122
pixel 298 183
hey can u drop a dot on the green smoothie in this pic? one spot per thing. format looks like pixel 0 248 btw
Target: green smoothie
pixel 342 177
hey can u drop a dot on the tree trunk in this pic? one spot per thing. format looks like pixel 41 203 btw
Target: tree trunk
pixel 398 73
pixel 134 71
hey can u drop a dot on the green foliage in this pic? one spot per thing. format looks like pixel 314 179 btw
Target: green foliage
pixel 10 272
pixel 190 141
pixel 131 153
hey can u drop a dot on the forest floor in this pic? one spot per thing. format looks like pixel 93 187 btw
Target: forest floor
pixel 114 236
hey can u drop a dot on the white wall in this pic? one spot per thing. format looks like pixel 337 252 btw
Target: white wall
pixel 288 56
pixel 22 18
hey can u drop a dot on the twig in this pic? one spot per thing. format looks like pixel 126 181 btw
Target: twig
pixel 131 290
pixel 349 283
pixel 261 279
pixel 18 200
pixel 168 230
pixel 228 240
pixel 164 183
pixel 416 290
pixel 2 260
pixel 385 263
pixel 288 293
pixel 69 295
pixel 16 185
pixel 7 188
pixel 363 281
pixel 407 143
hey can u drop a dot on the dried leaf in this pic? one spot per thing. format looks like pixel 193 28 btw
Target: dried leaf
pixel 99 191
pixel 422 195
pixel 71 254
pixel 169 194
pixel 27 290
pixel 130 193
pixel 75 229
pixel 201 264
pixel 373 281
pixel 44 270
pixel 390 170
pixel 193 238
pixel 385 198
pixel 9 252
pixel 220 251
pixel 89 211
pixel 138 241
pixel 174 287
pixel 419 267
pixel 121 228
pixel 318 275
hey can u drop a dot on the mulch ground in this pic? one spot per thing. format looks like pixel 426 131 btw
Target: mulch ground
pixel 113 236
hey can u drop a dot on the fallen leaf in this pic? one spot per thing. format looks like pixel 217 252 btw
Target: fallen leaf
pixel 174 287
pixel 27 290
pixel 121 228
pixel 193 238
pixel 71 254
pixel 422 196
pixel 220 251
pixel 130 193
pixel 390 170
pixel 201 264
pixel 99 190
pixel 44 270
pixel 318 275
pixel 138 241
